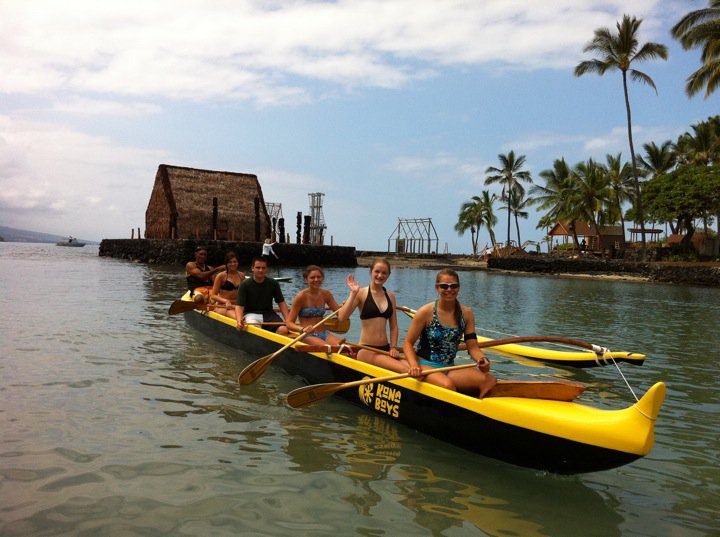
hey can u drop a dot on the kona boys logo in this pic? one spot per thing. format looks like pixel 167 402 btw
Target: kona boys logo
pixel 381 398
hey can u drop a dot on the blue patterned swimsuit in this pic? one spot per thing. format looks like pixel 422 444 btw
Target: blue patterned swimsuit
pixel 438 343
pixel 311 312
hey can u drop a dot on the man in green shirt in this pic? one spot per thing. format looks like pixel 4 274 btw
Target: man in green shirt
pixel 255 300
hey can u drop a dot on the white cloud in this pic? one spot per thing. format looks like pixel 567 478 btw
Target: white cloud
pixel 72 179
pixel 96 107
pixel 271 53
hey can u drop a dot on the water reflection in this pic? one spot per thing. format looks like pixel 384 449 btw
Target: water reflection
pixel 493 497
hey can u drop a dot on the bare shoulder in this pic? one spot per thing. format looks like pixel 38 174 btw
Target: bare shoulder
pixel 468 313
pixel 425 311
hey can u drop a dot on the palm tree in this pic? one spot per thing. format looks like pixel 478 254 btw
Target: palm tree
pixel 517 203
pixel 511 176
pixel 701 28
pixel 475 214
pixel 558 197
pixel 619 176
pixel 618 51
pixel 469 218
pixel 593 193
pixel 659 160
pixel 488 215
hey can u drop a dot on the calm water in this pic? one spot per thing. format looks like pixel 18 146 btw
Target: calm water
pixel 117 419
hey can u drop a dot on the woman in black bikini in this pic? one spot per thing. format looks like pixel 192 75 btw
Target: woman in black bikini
pixel 225 286
pixel 377 312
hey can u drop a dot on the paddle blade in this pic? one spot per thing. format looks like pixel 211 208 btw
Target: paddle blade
pixel 251 373
pixel 339 327
pixel 538 389
pixel 181 306
pixel 308 395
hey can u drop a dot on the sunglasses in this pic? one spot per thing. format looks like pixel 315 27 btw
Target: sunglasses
pixel 446 286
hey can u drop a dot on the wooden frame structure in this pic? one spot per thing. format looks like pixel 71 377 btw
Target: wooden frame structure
pixel 414 236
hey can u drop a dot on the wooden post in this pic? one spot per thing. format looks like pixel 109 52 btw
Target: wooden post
pixel 132 233
pixel 139 236
pixel 257 218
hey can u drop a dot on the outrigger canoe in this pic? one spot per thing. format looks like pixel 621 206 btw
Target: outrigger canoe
pixel 556 436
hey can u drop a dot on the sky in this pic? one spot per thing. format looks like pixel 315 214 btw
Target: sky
pixel 391 108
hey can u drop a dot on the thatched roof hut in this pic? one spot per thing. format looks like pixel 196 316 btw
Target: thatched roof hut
pixel 187 203
pixel 611 236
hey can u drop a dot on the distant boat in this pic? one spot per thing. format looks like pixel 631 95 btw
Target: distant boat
pixel 71 242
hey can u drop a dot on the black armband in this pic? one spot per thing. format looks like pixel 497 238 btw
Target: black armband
pixel 471 335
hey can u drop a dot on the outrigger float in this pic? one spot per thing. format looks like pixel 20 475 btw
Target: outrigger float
pixel 556 436
pixel 573 358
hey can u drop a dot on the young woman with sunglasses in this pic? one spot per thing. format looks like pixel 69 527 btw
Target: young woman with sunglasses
pixel 378 313
pixel 437 328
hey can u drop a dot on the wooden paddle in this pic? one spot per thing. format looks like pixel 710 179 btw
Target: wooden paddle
pixel 258 367
pixel 181 306
pixel 555 390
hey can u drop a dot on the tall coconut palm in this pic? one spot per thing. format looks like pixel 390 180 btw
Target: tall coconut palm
pixel 619 51
pixel 511 176
pixel 701 28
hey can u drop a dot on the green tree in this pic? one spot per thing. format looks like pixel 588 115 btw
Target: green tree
pixel 557 197
pixel 701 28
pixel 687 193
pixel 593 193
pixel 475 214
pixel 517 204
pixel 619 51
pixel 619 177
pixel 658 160
pixel 511 176
pixel 488 215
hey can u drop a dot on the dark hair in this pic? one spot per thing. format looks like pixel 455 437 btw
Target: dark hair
pixel 450 272
pixel 256 259
pixel 311 268
pixel 200 248
pixel 229 257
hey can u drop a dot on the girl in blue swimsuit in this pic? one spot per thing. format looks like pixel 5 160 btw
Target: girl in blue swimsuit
pixel 434 334
pixel 309 306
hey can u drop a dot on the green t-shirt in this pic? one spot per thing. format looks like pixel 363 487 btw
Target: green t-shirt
pixel 258 297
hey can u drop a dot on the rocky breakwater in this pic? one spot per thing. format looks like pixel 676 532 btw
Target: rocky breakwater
pixel 705 274
pixel 174 252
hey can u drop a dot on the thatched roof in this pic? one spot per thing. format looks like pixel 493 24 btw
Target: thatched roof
pixel 181 205
pixel 583 230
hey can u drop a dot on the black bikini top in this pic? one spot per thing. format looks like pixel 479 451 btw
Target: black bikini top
pixel 370 309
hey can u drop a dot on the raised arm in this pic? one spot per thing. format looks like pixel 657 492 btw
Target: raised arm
pixel 352 300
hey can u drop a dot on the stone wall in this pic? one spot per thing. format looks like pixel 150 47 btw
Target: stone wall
pixel 687 273
pixel 174 252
